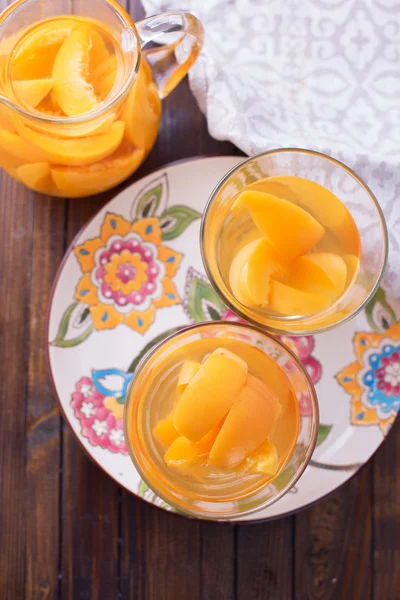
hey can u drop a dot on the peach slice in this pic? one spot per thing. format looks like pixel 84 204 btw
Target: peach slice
pixel 325 206
pixel 353 266
pixel 290 301
pixel 291 230
pixel 98 53
pixel 263 264
pixel 263 460
pixel 238 273
pixel 37 176
pixel 249 423
pixel 32 91
pixel 322 273
pixel 101 176
pixel 182 453
pixel 165 432
pixel 210 394
pixel 35 57
pixel 20 148
pixel 142 112
pixel 103 77
pixel 75 152
pixel 72 90
pixel 188 371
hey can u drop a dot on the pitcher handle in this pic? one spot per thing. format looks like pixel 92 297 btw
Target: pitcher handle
pixel 178 38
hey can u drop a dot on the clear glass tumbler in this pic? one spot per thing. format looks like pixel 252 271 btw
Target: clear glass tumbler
pixel 212 501
pixel 353 193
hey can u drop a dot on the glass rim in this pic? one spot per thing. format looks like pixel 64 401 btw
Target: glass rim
pixel 310 448
pixel 126 20
pixel 269 328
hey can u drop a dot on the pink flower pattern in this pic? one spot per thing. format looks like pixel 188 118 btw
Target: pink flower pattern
pixel 98 423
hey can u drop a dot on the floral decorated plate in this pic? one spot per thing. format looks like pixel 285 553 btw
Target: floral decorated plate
pixel 134 274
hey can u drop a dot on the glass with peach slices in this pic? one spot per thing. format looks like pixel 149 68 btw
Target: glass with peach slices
pixel 294 241
pixel 81 90
pixel 212 420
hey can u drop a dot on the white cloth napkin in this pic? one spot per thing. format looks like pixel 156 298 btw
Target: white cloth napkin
pixel 319 74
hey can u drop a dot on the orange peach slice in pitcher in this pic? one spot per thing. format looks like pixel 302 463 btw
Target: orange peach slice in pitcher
pixel 20 148
pixel 32 91
pixel 210 394
pixel 142 111
pixel 248 424
pixel 72 90
pixel 34 58
pixel 291 230
pixel 75 152
pixel 98 177
pixel 37 176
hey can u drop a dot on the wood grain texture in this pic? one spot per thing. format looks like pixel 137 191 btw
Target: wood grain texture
pixel 386 517
pixel 264 560
pixel 160 557
pixel 16 230
pixel 333 545
pixel 43 418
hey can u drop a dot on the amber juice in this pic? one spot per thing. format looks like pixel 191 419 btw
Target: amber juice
pixel 159 395
pixel 341 237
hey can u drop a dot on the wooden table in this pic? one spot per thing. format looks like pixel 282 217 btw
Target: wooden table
pixel 68 531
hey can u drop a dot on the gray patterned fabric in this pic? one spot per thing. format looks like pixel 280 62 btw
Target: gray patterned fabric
pixel 319 74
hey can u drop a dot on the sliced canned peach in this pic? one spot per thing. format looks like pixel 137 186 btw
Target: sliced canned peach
pixel 37 176
pixel 210 394
pixel 291 230
pixel 325 206
pixel 35 56
pixel 165 432
pixel 142 112
pixel 353 266
pixel 238 273
pixel 72 90
pixel 263 460
pixel 189 369
pixel 290 301
pixel 32 91
pixel 75 151
pixel 248 424
pixel 98 177
pixel 320 273
pixel 20 148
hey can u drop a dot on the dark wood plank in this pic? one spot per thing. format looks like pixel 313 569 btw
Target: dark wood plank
pixel 333 544
pixel 264 560
pixel 16 229
pixel 43 419
pixel 160 553
pixel 217 561
pixel 386 534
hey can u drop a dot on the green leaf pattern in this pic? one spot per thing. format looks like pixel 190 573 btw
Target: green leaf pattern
pixel 75 326
pixel 202 303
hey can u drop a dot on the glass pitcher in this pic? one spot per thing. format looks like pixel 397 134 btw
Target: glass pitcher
pixel 81 90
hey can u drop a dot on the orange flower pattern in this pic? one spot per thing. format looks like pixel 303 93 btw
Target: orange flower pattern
pixel 127 274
